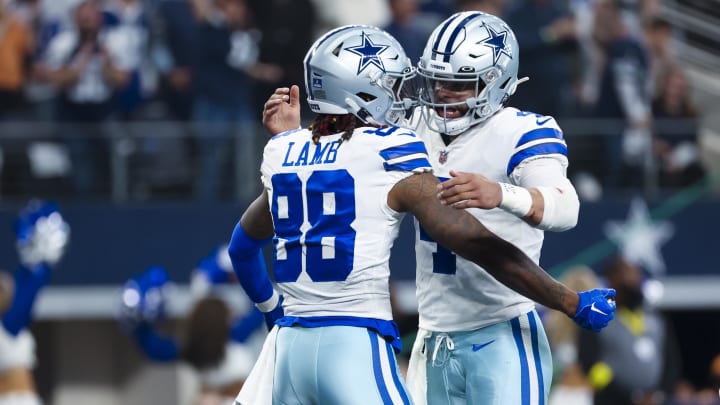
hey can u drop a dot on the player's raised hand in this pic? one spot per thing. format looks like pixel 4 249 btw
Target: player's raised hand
pixel 282 110
pixel 596 308
pixel 469 190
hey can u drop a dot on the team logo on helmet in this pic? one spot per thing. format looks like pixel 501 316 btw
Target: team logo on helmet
pixel 369 53
pixel 496 41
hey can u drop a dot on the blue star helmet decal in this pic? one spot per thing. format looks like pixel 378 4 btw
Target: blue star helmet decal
pixel 369 53
pixel 496 41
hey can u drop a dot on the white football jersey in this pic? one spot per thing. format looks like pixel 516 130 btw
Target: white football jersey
pixel 455 294
pixel 333 227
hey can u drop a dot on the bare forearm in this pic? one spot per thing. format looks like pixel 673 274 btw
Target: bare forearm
pixel 514 269
pixel 465 235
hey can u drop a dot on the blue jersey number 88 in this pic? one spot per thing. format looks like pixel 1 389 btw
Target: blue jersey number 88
pixel 323 229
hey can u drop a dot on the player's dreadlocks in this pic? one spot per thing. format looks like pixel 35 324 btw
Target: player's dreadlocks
pixel 328 124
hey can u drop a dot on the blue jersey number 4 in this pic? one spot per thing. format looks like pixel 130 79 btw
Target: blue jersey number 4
pixel 313 223
pixel 444 260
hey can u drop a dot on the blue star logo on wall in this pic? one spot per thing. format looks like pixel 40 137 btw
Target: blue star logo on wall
pixel 369 53
pixel 640 238
pixel 496 41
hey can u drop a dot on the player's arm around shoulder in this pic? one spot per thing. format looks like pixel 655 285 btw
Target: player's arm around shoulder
pixel 460 232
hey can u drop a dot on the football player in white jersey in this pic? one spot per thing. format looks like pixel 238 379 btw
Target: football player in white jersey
pixel 498 354
pixel 337 192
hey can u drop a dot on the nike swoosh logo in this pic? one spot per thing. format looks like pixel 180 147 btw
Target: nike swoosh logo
pixel 478 347
pixel 542 122
pixel 594 309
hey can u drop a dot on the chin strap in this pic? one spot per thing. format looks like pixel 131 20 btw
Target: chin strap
pixel 513 87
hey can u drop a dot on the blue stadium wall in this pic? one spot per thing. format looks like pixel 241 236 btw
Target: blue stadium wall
pixel 112 242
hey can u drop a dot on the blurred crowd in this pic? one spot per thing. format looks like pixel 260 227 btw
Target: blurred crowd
pixel 96 77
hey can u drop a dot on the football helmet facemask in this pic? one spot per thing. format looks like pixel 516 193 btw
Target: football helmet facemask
pixel 473 55
pixel 360 70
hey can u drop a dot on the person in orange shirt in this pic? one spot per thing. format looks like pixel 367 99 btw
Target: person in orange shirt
pixel 15 47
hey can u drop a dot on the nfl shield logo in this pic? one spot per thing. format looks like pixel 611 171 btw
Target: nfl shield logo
pixel 443 156
pixel 317 82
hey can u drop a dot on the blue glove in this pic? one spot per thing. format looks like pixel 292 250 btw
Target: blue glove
pixel 596 308
pixel 272 316
pixel 143 298
pixel 42 234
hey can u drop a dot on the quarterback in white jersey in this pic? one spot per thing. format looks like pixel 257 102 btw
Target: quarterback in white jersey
pixel 498 352
pixel 508 148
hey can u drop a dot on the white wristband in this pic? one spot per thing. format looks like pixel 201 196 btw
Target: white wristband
pixel 269 304
pixel 515 200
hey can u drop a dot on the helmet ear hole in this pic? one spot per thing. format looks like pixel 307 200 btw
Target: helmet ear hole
pixel 365 96
pixel 337 49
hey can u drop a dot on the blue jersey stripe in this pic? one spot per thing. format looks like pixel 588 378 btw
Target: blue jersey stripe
pixel 536 356
pixel 377 369
pixel 396 379
pixel 541 149
pixel 455 33
pixel 524 371
pixel 403 150
pixel 409 165
pixel 540 133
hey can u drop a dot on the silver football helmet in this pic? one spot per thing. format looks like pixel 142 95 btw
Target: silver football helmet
pixel 360 70
pixel 472 54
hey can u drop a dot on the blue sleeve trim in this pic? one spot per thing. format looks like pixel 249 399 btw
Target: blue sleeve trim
pixel 28 283
pixel 403 150
pixel 409 165
pixel 541 149
pixel 540 133
pixel 249 265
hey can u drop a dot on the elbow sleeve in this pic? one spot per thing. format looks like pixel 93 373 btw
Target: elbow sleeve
pixel 562 207
pixel 249 265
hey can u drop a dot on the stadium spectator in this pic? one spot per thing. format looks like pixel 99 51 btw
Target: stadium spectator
pixel 42 236
pixel 131 18
pixel 286 27
pixel 16 46
pixel 624 97
pixel 177 32
pixel 223 111
pixel 547 35
pixel 88 64
pixel 635 361
pixel 677 151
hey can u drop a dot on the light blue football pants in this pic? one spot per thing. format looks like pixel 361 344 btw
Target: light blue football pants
pixel 336 365
pixel 508 363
